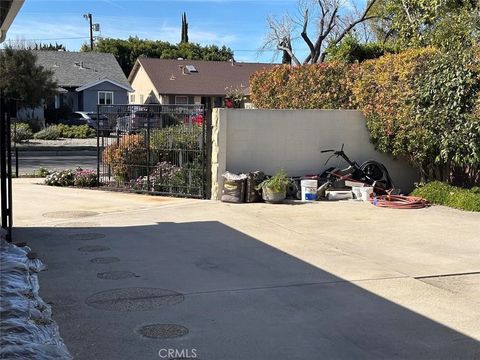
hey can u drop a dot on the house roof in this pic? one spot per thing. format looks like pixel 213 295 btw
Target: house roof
pixel 75 69
pixel 211 77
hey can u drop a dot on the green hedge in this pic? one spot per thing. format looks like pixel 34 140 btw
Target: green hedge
pixel 440 193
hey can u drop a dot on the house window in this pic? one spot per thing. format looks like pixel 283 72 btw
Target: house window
pixel 141 99
pixel 105 97
pixel 181 100
pixel 132 99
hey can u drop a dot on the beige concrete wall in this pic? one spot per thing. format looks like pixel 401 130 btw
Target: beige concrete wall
pixel 267 140
pixel 142 85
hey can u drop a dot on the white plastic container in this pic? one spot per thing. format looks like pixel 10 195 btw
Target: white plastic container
pixel 334 195
pixel 309 190
pixel 366 193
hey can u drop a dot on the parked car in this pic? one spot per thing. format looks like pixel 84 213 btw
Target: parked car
pixel 135 120
pixel 90 119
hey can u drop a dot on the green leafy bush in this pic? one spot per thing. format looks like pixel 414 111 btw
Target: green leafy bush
pixel 277 182
pixel 441 193
pixel 41 172
pixel 76 131
pixel 21 132
pixel 49 133
pixel 61 178
pixel 319 86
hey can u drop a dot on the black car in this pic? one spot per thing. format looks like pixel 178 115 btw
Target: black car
pixel 90 119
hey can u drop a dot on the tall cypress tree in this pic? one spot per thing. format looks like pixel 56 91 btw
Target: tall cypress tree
pixel 184 29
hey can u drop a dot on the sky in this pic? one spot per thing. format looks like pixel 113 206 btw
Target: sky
pixel 238 24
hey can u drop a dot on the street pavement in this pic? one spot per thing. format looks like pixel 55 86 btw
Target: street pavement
pixel 29 161
pixel 143 277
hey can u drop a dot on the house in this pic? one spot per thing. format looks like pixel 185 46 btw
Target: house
pixel 85 79
pixel 162 81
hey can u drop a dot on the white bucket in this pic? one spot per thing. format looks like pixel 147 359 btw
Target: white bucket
pixel 366 192
pixel 309 190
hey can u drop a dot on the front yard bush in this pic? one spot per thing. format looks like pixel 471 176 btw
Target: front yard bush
pixel 21 132
pixel 76 131
pixel 61 178
pixel 441 193
pixel 318 86
pixel 85 178
pixel 49 133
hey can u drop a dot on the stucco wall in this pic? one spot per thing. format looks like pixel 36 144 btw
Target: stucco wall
pixel 142 85
pixel 90 95
pixel 267 140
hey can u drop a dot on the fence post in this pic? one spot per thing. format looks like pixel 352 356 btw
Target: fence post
pixel 98 145
pixel 147 143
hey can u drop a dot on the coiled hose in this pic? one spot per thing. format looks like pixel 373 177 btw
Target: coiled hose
pixel 399 202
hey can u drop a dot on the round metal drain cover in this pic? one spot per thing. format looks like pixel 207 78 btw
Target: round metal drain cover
pixel 87 236
pixel 134 299
pixel 115 275
pixel 69 214
pixel 78 224
pixel 105 260
pixel 93 248
pixel 163 331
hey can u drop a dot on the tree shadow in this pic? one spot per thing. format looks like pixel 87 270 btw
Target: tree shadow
pixel 243 299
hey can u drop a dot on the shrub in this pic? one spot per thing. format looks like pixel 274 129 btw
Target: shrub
pixel 21 132
pixel 41 172
pixel 49 133
pixel 76 131
pixel 319 86
pixel 421 104
pixel 443 194
pixel 85 178
pixel 128 158
pixel 61 178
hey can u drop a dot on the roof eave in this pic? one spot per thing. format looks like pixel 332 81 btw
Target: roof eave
pixel 12 13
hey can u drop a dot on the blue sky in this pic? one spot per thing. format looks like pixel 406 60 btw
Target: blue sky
pixel 238 24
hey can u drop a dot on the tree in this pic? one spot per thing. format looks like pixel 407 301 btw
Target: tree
pixel 332 22
pixel 184 29
pixel 127 51
pixel 23 80
pixel 419 23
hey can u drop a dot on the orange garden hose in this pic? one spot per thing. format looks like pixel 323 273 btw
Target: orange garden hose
pixel 399 202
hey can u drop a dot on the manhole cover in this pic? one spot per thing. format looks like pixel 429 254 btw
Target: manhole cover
pixel 93 248
pixel 104 260
pixel 134 299
pixel 115 275
pixel 163 331
pixel 69 214
pixel 87 236
pixel 77 224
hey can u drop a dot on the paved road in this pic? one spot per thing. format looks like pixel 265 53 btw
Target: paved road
pixel 29 162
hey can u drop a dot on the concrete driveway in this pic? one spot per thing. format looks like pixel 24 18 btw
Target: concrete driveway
pixel 253 281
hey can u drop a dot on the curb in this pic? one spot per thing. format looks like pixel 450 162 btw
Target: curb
pixel 55 148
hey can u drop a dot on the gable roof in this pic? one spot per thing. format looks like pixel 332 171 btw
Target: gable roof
pixel 75 69
pixel 211 77
pixel 89 85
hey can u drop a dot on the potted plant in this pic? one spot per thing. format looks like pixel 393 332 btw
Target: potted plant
pixel 234 97
pixel 274 189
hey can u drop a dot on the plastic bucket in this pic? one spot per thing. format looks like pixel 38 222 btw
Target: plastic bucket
pixel 309 190
pixel 366 192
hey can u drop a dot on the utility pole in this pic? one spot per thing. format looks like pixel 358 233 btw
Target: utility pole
pixel 89 18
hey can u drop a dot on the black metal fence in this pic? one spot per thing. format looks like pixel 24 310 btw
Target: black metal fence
pixel 5 169
pixel 155 149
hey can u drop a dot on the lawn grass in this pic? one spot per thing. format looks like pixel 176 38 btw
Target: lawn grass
pixel 441 193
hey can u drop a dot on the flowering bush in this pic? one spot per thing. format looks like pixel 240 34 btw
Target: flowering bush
pixel 61 178
pixel 85 178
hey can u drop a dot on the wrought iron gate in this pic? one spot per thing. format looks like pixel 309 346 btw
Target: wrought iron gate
pixel 155 149
pixel 5 169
